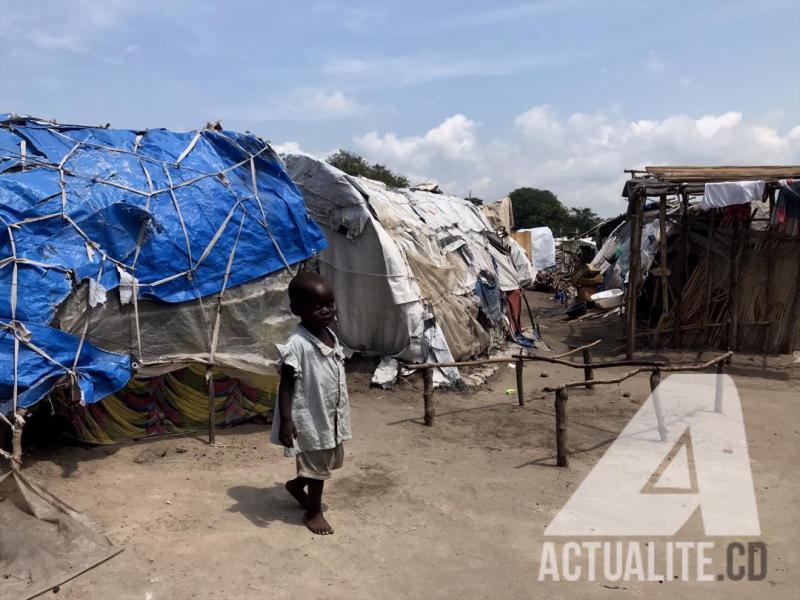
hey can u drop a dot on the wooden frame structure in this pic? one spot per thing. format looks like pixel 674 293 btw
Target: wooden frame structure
pixel 654 367
pixel 776 328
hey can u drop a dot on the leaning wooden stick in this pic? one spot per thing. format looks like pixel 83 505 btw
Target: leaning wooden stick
pixel 620 379
pixel 593 365
pixel 645 369
pixel 578 349
pixel 520 392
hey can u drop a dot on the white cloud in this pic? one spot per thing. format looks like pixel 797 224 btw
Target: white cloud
pixel 541 123
pixel 68 26
pixel 581 157
pixel 334 103
pixel 290 147
pixel 132 48
pixel 710 125
pixel 300 104
pixel 413 70
pixel 454 139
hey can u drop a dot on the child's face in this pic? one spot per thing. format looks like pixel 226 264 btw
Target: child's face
pixel 318 308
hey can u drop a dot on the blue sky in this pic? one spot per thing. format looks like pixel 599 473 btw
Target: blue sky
pixel 475 95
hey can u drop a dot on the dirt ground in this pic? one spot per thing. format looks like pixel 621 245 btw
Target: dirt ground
pixel 453 511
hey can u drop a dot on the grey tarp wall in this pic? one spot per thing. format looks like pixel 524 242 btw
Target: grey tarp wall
pixel 403 264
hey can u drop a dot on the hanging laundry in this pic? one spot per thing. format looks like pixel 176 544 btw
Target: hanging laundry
pixel 729 193
pixel 487 290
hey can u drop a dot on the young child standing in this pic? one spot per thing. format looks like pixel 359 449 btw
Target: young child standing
pixel 313 411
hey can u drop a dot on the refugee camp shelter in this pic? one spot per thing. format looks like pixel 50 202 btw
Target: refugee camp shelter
pixel 130 254
pixel 540 246
pixel 137 253
pixel 414 272
pixel 726 245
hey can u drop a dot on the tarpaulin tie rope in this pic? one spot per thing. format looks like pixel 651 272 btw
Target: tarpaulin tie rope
pixel 264 216
pixel 215 335
pixel 33 161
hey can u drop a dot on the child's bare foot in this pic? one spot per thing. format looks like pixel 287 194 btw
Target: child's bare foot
pixel 318 524
pixel 295 488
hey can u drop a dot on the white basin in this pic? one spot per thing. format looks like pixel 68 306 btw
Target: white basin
pixel 608 298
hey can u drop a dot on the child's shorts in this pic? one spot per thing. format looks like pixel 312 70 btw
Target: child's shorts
pixel 318 464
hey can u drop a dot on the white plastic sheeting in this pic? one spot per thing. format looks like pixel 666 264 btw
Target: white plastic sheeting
pixel 613 258
pixel 543 247
pixel 403 265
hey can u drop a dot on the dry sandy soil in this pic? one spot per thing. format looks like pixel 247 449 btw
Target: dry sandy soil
pixel 453 511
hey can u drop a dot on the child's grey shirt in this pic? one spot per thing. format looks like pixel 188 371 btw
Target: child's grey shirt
pixel 320 405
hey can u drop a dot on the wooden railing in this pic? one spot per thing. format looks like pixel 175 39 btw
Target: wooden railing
pixel 654 367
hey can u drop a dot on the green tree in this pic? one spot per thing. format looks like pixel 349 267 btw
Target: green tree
pixel 355 164
pixel 475 200
pixel 581 220
pixel 538 208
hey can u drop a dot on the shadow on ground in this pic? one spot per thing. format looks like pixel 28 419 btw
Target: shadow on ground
pixel 262 506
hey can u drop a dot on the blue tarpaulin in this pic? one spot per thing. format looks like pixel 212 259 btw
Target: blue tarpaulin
pixel 183 214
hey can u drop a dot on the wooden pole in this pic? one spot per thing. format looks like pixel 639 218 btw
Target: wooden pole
pixel 770 333
pixel 212 406
pixel 662 242
pixel 635 205
pixel 683 268
pixel 718 390
pixel 427 396
pixel 588 371
pixel 562 458
pixel 733 288
pixel 520 393
pixel 655 381
pixel 663 263
pixel 16 439
pixel 707 309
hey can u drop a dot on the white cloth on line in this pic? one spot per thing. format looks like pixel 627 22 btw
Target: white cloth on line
pixel 728 193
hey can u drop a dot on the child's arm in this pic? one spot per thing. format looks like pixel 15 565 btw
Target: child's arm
pixel 287 431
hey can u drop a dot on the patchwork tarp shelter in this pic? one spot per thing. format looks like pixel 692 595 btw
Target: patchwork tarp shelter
pixel 125 251
pixel 129 253
pixel 414 273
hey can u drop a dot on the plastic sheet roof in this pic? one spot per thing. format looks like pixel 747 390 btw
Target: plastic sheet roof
pixel 157 214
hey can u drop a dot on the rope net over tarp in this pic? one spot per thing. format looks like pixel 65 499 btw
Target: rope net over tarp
pixel 127 252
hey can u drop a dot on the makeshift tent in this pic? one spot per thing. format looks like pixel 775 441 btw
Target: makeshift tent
pixel 121 253
pixel 413 272
pixel 126 251
pixel 540 246
pixel 729 277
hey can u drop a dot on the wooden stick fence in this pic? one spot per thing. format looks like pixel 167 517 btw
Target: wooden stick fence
pixel 654 367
